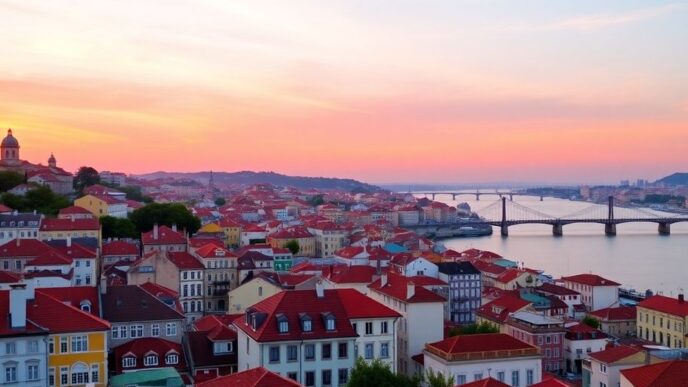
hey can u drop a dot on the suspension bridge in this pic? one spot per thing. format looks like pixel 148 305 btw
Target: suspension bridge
pixel 478 194
pixel 503 214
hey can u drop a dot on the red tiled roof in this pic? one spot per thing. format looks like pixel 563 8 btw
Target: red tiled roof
pixel 614 354
pixel 291 233
pixel 666 304
pixel 349 251
pixel 509 275
pixel 44 309
pixel 23 248
pixel 487 382
pixel 5 327
pixel 7 277
pixel 397 287
pixel 665 374
pixel 211 250
pixel 479 343
pixel 361 274
pixel 74 210
pixel 69 224
pixel 143 346
pixel 291 304
pixel 556 289
pixel 552 382
pixel 76 251
pixel 583 332
pixel 500 308
pixel 255 377
pixel 4 208
pixel 50 258
pixel 184 260
pixel 358 305
pixel 117 248
pixel 613 314
pixel 211 321
pixel 75 295
pixel 166 236
pixel 590 280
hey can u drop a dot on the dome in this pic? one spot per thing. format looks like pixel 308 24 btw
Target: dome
pixel 10 141
pixel 52 158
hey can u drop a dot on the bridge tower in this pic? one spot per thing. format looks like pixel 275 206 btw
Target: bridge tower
pixel 664 228
pixel 557 229
pixel 504 227
pixel 610 226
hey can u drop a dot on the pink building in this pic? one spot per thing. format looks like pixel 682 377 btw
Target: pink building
pixel 544 332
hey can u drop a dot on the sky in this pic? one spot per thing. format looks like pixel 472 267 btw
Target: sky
pixel 395 91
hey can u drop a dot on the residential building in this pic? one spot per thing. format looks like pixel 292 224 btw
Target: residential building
pixel 470 358
pixel 351 277
pixel 232 230
pixel 663 320
pixel 546 333
pixel 150 353
pixel 85 231
pixel 617 322
pixel 119 252
pixel 580 341
pixel 220 275
pixel 301 235
pixel 497 311
pixel 603 368
pixel 463 293
pixel 74 212
pixel 264 285
pixel 282 259
pixel 211 348
pixel 163 238
pixel 421 312
pixel 254 377
pixel 19 226
pixel 409 265
pixel 572 298
pixel 252 234
pixel 135 313
pixel 669 373
pixel 103 205
pixel 306 335
pixel 328 238
pixel 596 292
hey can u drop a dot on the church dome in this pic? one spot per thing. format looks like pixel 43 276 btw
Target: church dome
pixel 10 141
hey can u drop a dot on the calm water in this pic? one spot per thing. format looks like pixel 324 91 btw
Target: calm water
pixel 638 257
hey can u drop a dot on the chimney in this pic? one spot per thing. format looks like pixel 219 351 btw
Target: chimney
pixel 383 280
pixel 378 267
pixel 69 241
pixel 174 227
pixel 19 294
pixel 103 284
pixel 681 299
pixel 319 291
pixel 155 231
pixel 410 290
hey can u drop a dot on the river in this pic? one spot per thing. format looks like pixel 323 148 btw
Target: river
pixel 637 257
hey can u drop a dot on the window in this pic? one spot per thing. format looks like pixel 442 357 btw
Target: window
pixel 310 378
pixel 171 329
pixel 79 343
pixel 293 376
pixel 369 328
pixel 355 327
pixel 514 378
pixel 603 368
pixel 32 346
pixel 460 379
pixel 343 375
pixel 136 331
pixel 326 378
pixel 478 376
pixel 10 348
pixel 309 352
pixel 51 376
pixel 329 324
pixel 64 376
pixel 292 353
pixel 383 327
pixel 155 330
pixel 384 350
pixel 10 372
pixel 63 345
pixel 501 376
pixel 79 373
pixel 529 377
pixel 369 349
pixel 32 371
pixel 128 362
pixel 307 325
pixel 150 360
pixel 95 373
pixel 343 350
pixel 172 358
pixel 274 354
pixel 326 351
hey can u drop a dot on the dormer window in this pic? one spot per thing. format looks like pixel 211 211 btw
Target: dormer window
pixel 150 360
pixel 306 322
pixel 328 320
pixel 172 358
pixel 129 362
pixel 282 323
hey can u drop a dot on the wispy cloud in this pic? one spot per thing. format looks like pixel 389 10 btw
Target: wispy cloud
pixel 598 21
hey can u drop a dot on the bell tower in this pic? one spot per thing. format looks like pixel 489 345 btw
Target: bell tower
pixel 9 149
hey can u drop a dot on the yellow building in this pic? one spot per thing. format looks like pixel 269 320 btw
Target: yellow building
pixel 305 239
pixel 663 320
pixel 70 228
pixel 77 343
pixel 102 205
pixel 232 232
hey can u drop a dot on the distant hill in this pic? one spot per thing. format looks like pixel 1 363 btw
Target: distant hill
pixel 248 178
pixel 678 178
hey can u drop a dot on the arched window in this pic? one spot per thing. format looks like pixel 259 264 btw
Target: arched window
pixel 79 373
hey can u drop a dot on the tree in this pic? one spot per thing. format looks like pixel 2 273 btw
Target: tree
pixel 591 322
pixel 9 180
pixel 118 227
pixel 438 379
pixel 40 199
pixel 316 200
pixel 165 213
pixel 473 329
pixel 84 177
pixel 378 374
pixel 293 246
pixel 220 202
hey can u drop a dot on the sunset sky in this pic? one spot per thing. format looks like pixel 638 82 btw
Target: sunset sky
pixel 382 91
